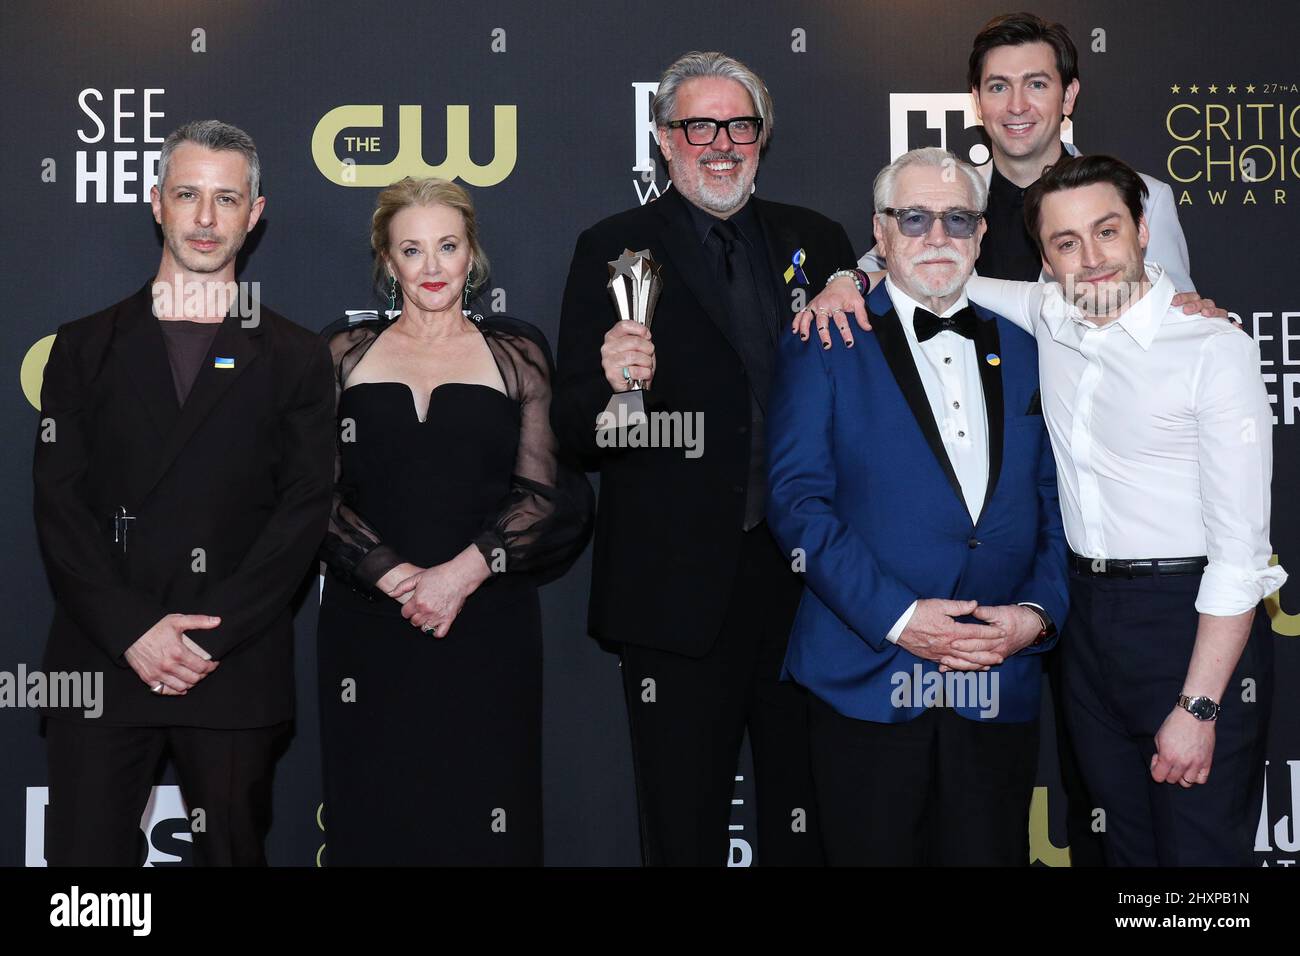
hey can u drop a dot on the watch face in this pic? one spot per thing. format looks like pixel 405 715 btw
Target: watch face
pixel 1203 708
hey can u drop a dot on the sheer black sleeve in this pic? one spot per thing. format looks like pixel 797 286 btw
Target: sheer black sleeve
pixel 351 549
pixel 544 522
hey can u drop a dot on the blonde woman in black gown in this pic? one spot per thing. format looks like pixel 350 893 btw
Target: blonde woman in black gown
pixel 450 507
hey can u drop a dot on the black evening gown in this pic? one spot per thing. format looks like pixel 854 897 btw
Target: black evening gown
pixel 432 746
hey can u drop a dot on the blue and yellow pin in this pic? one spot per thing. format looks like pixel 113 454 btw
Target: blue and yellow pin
pixel 795 268
pixel 993 359
pixel 221 362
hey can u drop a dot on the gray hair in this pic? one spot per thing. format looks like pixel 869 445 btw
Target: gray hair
pixel 695 65
pixel 883 192
pixel 213 134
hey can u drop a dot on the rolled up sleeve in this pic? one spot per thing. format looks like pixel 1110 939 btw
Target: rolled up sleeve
pixel 1235 437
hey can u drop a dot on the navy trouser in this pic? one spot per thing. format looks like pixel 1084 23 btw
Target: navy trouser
pixel 1126 651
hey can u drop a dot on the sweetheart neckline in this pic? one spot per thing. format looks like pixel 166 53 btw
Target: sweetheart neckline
pixel 433 391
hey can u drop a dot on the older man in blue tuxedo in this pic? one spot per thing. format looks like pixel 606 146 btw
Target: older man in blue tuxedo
pixel 920 503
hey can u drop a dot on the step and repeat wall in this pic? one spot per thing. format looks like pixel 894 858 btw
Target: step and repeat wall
pixel 542 110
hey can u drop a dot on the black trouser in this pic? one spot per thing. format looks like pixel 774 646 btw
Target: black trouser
pixel 937 790
pixel 101 775
pixel 1125 659
pixel 687 728
pixel 1084 841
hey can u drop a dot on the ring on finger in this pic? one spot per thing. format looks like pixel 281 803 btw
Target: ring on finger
pixel 157 688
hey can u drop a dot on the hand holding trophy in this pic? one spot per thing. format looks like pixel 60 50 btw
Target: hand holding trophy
pixel 634 286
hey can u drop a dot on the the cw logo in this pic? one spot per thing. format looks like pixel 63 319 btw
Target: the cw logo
pixel 409 160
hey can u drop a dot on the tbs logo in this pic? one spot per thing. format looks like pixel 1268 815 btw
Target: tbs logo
pixel 946 120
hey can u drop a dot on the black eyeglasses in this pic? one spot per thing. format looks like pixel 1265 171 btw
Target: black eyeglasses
pixel 702 131
pixel 957 223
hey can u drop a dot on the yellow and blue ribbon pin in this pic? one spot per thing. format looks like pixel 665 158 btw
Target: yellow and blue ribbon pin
pixel 795 268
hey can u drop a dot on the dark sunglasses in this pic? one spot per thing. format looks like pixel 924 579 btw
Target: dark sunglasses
pixel 957 223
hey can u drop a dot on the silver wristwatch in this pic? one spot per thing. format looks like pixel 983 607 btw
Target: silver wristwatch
pixel 1202 708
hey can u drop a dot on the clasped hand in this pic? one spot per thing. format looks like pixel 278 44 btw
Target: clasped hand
pixel 434 596
pixel 934 633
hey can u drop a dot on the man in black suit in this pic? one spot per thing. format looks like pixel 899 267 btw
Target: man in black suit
pixel 687 578
pixel 183 476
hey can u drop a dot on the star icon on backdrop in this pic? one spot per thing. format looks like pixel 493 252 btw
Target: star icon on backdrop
pixel 1175 89
pixel 1250 87
pixel 1193 89
pixel 1213 88
pixel 1232 87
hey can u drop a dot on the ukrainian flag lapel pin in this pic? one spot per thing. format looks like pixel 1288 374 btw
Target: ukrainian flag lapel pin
pixel 221 362
pixel 795 269
pixel 993 359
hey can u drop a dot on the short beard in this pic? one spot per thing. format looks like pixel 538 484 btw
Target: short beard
pixel 181 253
pixel 942 292
pixel 1117 294
pixel 709 198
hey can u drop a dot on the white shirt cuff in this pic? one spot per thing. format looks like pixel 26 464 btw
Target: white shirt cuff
pixel 901 624
pixel 1226 590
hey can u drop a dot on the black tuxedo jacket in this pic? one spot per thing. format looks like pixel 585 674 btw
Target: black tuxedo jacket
pixel 668 527
pixel 243 471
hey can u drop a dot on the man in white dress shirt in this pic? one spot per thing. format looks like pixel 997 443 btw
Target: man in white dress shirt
pixel 1162 432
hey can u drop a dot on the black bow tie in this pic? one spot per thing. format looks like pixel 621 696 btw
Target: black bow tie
pixel 928 325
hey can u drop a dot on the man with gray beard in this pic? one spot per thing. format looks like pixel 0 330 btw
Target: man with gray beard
pixel 687 581
pixel 922 490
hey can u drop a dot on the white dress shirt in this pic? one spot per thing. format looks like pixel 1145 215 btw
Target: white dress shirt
pixel 1162 433
pixel 949 370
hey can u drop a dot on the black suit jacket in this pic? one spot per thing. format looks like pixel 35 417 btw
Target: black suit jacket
pixel 243 471
pixel 668 528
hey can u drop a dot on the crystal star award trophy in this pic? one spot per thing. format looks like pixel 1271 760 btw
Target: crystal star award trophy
pixel 634 285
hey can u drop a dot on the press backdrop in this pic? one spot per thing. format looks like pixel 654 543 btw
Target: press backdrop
pixel 543 110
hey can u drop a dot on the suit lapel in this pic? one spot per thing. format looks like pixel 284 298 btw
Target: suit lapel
pixel 782 242
pixel 139 348
pixel 893 343
pixel 987 345
pixel 142 350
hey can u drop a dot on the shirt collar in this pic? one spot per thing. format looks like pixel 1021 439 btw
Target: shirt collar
pixel 1141 320
pixel 743 219
pixel 906 307
pixel 1005 187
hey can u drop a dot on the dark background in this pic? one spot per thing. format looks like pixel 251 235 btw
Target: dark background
pixel 275 68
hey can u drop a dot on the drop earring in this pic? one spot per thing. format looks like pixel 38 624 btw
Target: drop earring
pixel 392 294
pixel 464 295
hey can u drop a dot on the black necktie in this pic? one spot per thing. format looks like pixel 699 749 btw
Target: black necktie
pixel 748 321
pixel 748 317
pixel 928 325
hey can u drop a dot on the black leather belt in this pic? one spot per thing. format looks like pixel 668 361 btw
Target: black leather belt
pixel 1144 568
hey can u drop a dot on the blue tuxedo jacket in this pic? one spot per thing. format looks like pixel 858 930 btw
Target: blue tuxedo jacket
pixel 861 484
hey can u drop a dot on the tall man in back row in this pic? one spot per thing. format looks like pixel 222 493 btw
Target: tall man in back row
pixel 687 579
